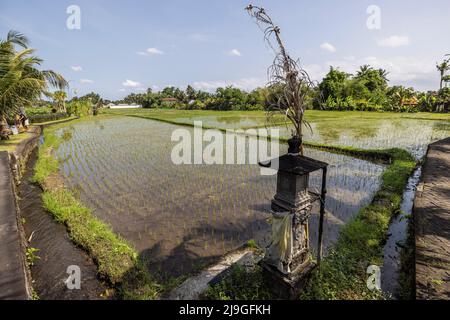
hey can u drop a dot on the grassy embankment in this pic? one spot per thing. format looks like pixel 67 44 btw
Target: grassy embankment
pixel 342 274
pixel 116 259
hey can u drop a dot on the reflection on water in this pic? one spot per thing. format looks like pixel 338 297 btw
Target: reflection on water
pixel 397 237
pixel 413 135
pixel 226 122
pixel 410 134
pixel 183 216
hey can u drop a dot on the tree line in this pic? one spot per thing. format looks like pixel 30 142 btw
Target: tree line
pixel 366 90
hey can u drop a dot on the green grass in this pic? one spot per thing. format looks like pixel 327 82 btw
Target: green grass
pixel 240 284
pixel 14 140
pixel 116 259
pixel 113 255
pixel 342 274
pixel 337 118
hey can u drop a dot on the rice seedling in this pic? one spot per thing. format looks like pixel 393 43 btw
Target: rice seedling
pixel 133 186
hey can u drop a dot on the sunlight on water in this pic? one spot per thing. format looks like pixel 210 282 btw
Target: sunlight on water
pixel 183 216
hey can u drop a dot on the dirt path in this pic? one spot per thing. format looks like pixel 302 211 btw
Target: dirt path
pixel 432 224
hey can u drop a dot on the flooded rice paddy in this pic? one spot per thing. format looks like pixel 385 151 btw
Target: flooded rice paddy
pixel 181 217
pixel 410 134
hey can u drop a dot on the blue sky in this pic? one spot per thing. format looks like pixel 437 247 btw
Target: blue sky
pixel 127 46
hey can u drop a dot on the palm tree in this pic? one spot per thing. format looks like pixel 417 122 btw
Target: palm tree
pixel 21 82
pixel 443 67
pixel 60 100
pixel 383 74
pixel 363 70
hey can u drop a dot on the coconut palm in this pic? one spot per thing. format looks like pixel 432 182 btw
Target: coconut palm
pixel 443 67
pixel 60 100
pixel 20 81
pixel 363 71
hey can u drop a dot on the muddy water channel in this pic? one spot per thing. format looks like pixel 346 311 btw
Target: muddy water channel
pixel 55 250
pixel 182 217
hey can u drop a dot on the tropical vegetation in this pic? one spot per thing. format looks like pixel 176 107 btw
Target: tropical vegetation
pixel 367 90
pixel 21 81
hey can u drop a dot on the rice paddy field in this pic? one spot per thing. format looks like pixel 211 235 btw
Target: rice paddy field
pixel 412 132
pixel 182 217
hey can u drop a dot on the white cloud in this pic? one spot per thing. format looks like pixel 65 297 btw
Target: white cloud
pixel 150 52
pixel 76 68
pixel 328 47
pixel 244 84
pixel 86 81
pixel 122 90
pixel 154 51
pixel 394 41
pixel 131 84
pixel 235 52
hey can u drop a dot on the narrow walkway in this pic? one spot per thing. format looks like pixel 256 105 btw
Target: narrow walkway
pixel 432 224
pixel 13 283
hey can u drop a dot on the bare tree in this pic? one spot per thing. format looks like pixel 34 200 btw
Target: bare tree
pixel 290 83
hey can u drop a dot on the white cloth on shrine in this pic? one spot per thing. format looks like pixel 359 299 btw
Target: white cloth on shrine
pixel 280 251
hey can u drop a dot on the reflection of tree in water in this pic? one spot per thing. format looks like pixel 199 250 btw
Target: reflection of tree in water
pixel 67 134
pixel 441 127
pixel 327 132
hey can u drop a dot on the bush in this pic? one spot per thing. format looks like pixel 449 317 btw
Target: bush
pixel 79 108
pixel 39 118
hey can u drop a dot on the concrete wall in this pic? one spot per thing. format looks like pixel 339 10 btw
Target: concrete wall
pixel 13 274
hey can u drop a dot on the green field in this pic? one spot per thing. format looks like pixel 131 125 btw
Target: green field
pixel 367 130
pixel 258 118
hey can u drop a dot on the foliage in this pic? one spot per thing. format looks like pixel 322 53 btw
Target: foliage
pixel 60 100
pixel 21 83
pixel 40 118
pixel 33 111
pixel 240 284
pixel 366 91
pixel 79 108
pixel 92 97
pixel 31 256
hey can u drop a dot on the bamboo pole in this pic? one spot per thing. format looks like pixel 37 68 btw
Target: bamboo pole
pixel 322 213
